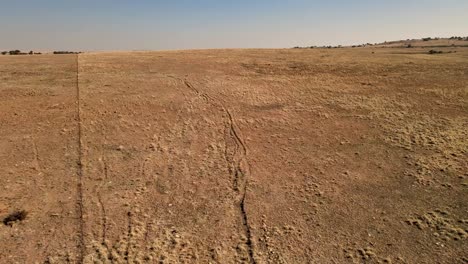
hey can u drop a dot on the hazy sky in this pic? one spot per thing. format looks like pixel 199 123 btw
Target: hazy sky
pixel 184 24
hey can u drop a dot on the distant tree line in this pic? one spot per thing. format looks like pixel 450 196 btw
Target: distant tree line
pixel 19 52
pixel 319 47
pixel 459 38
pixel 386 43
pixel 66 52
pixel 440 52
pixel 334 47
pixel 452 38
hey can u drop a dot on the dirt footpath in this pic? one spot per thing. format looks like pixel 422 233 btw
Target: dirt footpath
pixel 235 156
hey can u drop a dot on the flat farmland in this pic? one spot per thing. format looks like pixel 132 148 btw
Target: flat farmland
pixel 235 156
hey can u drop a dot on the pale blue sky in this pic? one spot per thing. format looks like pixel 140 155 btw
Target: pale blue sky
pixel 184 24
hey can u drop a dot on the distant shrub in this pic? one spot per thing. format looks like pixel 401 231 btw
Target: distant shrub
pixel 426 39
pixel 4 52
pixel 409 46
pixel 435 52
pixel 16 52
pixel 66 52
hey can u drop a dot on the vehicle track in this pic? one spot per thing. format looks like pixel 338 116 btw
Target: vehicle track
pixel 104 226
pixel 239 164
pixel 104 217
pixel 240 180
pixel 81 246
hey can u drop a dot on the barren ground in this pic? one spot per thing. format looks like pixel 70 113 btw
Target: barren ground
pixel 235 156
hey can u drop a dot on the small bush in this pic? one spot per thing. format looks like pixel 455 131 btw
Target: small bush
pixel 15 217
pixel 14 52
pixel 435 52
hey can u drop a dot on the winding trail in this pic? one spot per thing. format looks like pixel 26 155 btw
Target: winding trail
pixel 240 164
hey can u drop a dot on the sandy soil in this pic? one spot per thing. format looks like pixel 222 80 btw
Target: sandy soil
pixel 235 156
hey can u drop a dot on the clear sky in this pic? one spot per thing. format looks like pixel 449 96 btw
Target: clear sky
pixel 184 24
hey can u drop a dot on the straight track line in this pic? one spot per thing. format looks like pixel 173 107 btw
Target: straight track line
pixel 81 246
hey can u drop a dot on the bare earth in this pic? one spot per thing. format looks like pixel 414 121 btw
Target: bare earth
pixel 235 156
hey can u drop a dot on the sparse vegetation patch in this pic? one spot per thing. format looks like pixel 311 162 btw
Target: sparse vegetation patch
pixel 14 217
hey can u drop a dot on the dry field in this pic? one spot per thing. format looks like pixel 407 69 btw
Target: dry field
pixel 235 156
pixel 435 43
